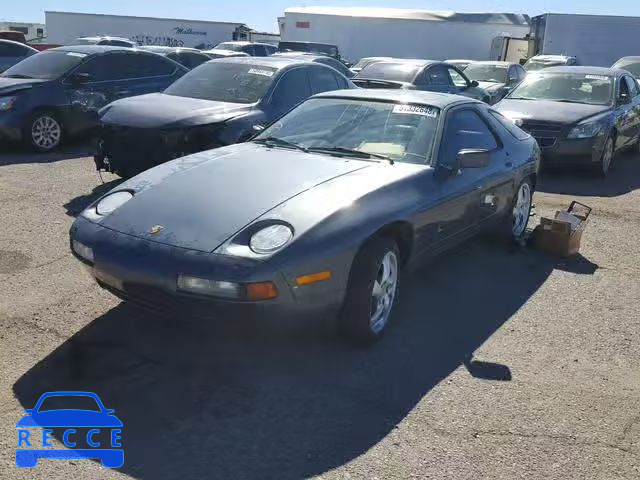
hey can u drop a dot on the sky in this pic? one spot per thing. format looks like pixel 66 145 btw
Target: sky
pixel 262 14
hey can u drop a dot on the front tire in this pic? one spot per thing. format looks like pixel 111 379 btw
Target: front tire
pixel 606 159
pixel 43 131
pixel 372 291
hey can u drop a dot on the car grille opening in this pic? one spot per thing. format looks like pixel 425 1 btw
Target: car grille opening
pixel 546 134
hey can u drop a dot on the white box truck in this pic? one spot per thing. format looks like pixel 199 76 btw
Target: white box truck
pixel 597 40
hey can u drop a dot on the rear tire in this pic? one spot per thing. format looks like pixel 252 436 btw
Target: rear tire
pixel 372 291
pixel 43 131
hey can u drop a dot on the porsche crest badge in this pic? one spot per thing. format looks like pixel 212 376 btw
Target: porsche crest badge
pixel 155 229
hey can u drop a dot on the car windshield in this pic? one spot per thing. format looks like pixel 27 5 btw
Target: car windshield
pixel 225 82
pixel 396 72
pixel 631 66
pixel 400 132
pixel 234 47
pixel 69 402
pixel 487 73
pixel 566 87
pixel 46 65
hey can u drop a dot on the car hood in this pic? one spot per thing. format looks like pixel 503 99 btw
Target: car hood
pixel 69 418
pixel 159 110
pixel 548 111
pixel 203 199
pixel 10 85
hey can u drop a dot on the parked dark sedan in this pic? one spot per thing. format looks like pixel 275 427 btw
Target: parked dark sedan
pixel 13 52
pixel 324 59
pixel 253 49
pixel 496 78
pixel 218 103
pixel 427 75
pixel 318 214
pixel 579 115
pixel 57 93
pixel 187 57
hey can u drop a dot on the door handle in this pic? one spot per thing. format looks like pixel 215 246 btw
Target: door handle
pixel 121 91
pixel 508 164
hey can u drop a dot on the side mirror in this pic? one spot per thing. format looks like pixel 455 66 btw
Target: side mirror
pixel 474 83
pixel 29 410
pixel 469 158
pixel 79 78
pixel 109 411
pixel 512 81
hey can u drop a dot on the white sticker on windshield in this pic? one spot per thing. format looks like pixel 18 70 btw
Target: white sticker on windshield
pixel 597 77
pixel 264 73
pixel 76 54
pixel 416 110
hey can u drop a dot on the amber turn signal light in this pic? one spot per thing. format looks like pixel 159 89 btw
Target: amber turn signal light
pixel 261 291
pixel 313 278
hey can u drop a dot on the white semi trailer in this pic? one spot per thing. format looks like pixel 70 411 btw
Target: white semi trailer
pixel 597 40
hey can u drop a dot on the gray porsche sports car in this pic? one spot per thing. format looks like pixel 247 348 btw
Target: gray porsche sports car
pixel 317 215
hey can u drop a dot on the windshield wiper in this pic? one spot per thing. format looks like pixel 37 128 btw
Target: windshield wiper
pixel 275 141
pixel 564 100
pixel 521 98
pixel 17 75
pixel 349 151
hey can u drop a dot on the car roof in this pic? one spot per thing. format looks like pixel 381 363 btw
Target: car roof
pixel 585 70
pixel 632 58
pixel 435 99
pixel 460 60
pixel 552 58
pixel 273 62
pixel 162 49
pixel 11 42
pixel 494 62
pixel 92 49
pixel 244 42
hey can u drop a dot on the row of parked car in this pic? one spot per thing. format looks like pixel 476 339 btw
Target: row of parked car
pixel 283 188
pixel 182 103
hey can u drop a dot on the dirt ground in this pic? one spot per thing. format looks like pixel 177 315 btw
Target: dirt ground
pixel 501 365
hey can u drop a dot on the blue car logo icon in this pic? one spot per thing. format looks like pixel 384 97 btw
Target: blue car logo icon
pixel 89 424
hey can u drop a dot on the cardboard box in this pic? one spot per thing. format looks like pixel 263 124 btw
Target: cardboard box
pixel 561 235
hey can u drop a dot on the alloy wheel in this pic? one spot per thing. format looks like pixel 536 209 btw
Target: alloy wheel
pixel 521 210
pixel 384 291
pixel 46 132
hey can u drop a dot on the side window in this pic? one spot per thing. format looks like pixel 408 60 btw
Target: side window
pixel 624 88
pixel 521 72
pixel 323 80
pixel 260 51
pixel 465 129
pixel 438 75
pixel 195 59
pixel 271 50
pixel 104 68
pixel 142 65
pixel 457 78
pixel 291 89
pixel 249 50
pixel 632 86
pixel 11 50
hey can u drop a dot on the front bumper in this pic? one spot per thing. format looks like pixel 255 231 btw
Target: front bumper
pixel 10 126
pixel 145 273
pixel 574 152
